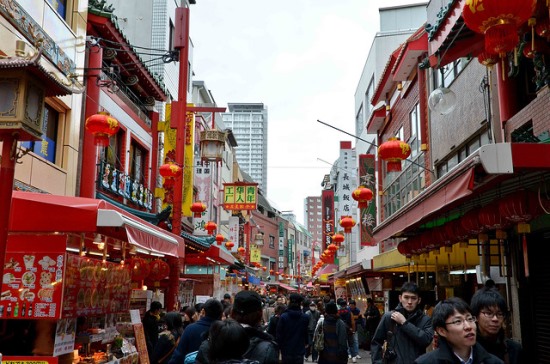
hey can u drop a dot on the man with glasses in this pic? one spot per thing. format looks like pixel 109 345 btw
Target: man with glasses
pixel 404 333
pixel 455 326
pixel 490 309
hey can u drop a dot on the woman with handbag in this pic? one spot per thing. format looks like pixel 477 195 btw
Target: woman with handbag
pixel 168 339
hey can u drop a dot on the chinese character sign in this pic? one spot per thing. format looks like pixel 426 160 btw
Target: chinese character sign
pixel 328 217
pixel 240 196
pixel 368 215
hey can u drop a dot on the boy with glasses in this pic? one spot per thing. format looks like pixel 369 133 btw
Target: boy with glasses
pixel 491 310
pixel 455 326
pixel 405 332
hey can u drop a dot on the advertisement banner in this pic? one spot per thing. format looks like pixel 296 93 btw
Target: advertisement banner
pixel 327 202
pixel 234 232
pixel 368 215
pixel 203 183
pixel 240 196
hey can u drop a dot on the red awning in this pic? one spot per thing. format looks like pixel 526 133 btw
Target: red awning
pixel 214 255
pixel 327 269
pixel 496 160
pixel 38 212
pixel 282 285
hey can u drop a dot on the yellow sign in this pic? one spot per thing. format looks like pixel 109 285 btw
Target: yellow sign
pixel 240 196
pixel 255 255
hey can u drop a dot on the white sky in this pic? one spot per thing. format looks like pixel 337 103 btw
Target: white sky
pixel 303 60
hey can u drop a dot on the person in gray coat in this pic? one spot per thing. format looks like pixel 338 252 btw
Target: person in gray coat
pixel 455 326
pixel 407 330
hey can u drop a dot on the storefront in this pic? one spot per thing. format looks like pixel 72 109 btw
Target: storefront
pixel 70 267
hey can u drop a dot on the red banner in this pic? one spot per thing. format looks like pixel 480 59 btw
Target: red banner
pixel 327 201
pixel 368 215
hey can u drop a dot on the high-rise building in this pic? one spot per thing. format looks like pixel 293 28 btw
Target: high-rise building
pixel 313 218
pixel 249 124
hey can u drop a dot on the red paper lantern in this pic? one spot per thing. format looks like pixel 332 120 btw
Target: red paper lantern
pixel 543 27
pixel 271 271
pixel 519 207
pixel 219 239
pixel 264 268
pixel 539 46
pixel 140 269
pixel 332 248
pixel 347 222
pixel 490 217
pixel 394 151
pixel 229 244
pixel 197 208
pixel 362 195
pixel 499 20
pixel 455 231
pixel 103 126
pixel 338 239
pixel 487 59
pixel 170 170
pixel 159 270
pixel 470 222
pixel 241 250
pixel 405 248
pixel 210 226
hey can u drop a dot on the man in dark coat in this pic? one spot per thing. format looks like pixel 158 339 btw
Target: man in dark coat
pixel 195 333
pixel 407 329
pixel 455 326
pixel 151 326
pixel 292 335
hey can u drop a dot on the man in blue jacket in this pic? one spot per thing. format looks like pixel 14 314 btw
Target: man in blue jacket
pixel 195 333
pixel 292 334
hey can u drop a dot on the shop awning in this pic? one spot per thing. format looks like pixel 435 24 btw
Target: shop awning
pixel 282 285
pixel 487 163
pixel 38 212
pixel 214 255
pixel 354 269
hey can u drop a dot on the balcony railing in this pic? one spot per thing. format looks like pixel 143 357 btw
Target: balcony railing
pixel 121 185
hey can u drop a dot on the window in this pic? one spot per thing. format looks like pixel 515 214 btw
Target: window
pixel 446 75
pixel 172 31
pixel 415 140
pixel 60 6
pixel 138 157
pixel 271 241
pixel 369 94
pixel 47 147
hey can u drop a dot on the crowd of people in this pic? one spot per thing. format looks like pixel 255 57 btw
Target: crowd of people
pixel 249 328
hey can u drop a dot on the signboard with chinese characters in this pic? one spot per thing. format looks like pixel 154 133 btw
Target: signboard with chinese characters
pixel 33 277
pixel 368 215
pixel 328 217
pixel 240 196
pixel 204 186
pixel 345 205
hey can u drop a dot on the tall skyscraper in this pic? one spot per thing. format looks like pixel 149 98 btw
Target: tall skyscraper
pixel 249 124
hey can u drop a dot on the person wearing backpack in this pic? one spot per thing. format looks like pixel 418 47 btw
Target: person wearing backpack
pixel 313 315
pixel 247 310
pixel 334 331
pixel 228 342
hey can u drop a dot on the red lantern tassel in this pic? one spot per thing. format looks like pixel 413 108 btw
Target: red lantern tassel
pixel 525 256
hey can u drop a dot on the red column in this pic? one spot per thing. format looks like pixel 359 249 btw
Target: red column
pixel 506 86
pixel 7 172
pixel 88 170
pixel 179 115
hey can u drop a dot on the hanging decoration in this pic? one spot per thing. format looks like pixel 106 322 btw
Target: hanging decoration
pixel 211 227
pixel 170 172
pixel 103 126
pixel 229 244
pixel 197 208
pixel 159 270
pixel 393 152
pixel 139 267
pixel 362 195
pixel 498 20
pixel 338 239
pixel 347 223
pixel 219 239
pixel 241 250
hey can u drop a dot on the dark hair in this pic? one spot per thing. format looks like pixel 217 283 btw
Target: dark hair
pixel 410 287
pixel 369 300
pixel 173 320
pixel 213 309
pixel 352 302
pixel 331 308
pixel 486 297
pixel 279 308
pixel 446 308
pixel 226 296
pixel 228 340
pixel 155 305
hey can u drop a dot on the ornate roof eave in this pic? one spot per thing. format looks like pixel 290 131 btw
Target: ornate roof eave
pixel 54 86
pixel 104 25
pixel 449 38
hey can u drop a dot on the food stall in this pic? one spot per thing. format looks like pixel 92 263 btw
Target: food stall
pixel 70 266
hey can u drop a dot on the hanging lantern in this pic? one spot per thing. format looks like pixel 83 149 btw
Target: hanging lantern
pixel 543 27
pixel 394 151
pixel 490 217
pixel 470 222
pixel 103 126
pixel 530 48
pixel 362 195
pixel 347 223
pixel 264 268
pixel 404 248
pixel 499 20
pixel 519 207
pixel 170 171
pixel 338 239
pixel 332 248
pixel 229 244
pixel 159 269
pixel 210 226
pixel 241 250
pixel 271 271
pixel 140 268
pixel 219 239
pixel 487 59
pixel 455 231
pixel 198 208
pixel 212 145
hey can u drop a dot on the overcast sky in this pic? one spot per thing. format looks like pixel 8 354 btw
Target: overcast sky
pixel 303 60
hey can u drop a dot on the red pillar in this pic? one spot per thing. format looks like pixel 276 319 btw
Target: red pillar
pixel 7 172
pixel 179 119
pixel 88 170
pixel 507 102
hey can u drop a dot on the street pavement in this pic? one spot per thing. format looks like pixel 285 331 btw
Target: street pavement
pixel 365 357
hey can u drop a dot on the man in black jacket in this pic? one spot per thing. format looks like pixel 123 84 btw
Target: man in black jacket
pixel 407 330
pixel 292 335
pixel 150 326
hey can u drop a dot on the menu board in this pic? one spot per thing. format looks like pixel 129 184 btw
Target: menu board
pixel 93 287
pixel 140 343
pixel 29 360
pixel 31 285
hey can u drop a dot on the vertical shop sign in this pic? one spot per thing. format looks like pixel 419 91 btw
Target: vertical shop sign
pixel 281 263
pixel 368 214
pixel 234 232
pixel 327 202
pixel 203 183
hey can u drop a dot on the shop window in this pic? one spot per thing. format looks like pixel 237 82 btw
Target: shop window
pixel 47 146
pixel 138 157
